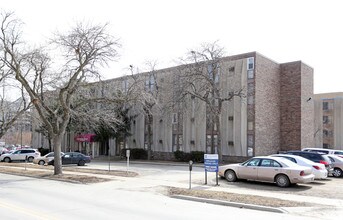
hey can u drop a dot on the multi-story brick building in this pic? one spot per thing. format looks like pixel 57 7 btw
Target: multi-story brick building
pixel 275 114
pixel 328 119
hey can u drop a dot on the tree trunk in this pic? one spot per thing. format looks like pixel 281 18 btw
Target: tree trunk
pixel 219 144
pixel 212 135
pixel 49 142
pixel 57 140
pixel 149 136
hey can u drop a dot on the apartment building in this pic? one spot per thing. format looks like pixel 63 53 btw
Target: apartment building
pixel 274 114
pixel 328 109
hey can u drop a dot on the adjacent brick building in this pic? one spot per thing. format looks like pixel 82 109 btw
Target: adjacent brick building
pixel 328 109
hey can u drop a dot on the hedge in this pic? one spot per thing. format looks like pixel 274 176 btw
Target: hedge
pixel 195 156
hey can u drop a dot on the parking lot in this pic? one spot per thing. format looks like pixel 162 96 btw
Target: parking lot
pixel 327 188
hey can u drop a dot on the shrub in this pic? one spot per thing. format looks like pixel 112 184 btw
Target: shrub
pixel 135 153
pixel 182 156
pixel 195 156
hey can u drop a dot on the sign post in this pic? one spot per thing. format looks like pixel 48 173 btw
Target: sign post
pixel 25 161
pixel 190 173
pixel 211 165
pixel 109 160
pixel 127 160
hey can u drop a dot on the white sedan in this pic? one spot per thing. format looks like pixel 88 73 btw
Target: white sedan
pixel 318 169
pixel 268 169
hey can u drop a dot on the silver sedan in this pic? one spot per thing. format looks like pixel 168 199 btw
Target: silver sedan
pixel 268 169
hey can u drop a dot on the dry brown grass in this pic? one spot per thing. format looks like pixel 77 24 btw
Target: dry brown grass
pixel 238 198
pixel 80 175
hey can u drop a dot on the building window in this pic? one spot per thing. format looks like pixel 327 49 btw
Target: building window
pixel 250 63
pixel 250 74
pixel 150 83
pixel 250 140
pixel 250 126
pixel 327 119
pixel 251 88
pixel 174 118
pixel 327 133
pixel 250 100
pixel 326 146
pixel 213 71
pixel 125 85
pixel 325 106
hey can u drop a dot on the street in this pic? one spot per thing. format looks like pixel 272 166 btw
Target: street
pixel 145 197
pixel 30 198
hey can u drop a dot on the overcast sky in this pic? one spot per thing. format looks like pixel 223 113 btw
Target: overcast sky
pixel 163 30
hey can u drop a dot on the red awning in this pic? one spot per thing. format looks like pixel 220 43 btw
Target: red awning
pixel 84 138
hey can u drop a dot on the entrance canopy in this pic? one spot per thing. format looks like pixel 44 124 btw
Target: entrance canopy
pixel 84 138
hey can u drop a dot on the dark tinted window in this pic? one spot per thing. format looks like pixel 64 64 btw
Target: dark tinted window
pixel 320 151
pixel 311 156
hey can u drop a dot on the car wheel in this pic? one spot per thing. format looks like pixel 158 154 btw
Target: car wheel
pixel 282 180
pixel 41 162
pixel 81 163
pixel 337 172
pixel 7 159
pixel 230 176
pixel 30 159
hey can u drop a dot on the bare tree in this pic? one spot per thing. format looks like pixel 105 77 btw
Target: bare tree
pixel 199 79
pixel 147 89
pixel 11 107
pixel 52 93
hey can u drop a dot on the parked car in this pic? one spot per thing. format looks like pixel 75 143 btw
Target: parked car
pixel 315 157
pixel 318 169
pixel 73 158
pixel 44 160
pixel 337 163
pixel 278 170
pixel 20 155
pixel 324 151
pixel 3 150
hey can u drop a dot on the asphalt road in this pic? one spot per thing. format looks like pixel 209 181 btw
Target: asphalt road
pixel 142 197
pixel 29 198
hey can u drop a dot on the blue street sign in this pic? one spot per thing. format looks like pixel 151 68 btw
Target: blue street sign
pixel 211 162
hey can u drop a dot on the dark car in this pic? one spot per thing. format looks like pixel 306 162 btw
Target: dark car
pixel 315 157
pixel 73 158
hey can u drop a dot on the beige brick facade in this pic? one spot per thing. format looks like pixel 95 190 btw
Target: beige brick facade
pixel 273 114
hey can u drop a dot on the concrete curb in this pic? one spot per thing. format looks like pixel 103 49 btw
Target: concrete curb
pixel 232 204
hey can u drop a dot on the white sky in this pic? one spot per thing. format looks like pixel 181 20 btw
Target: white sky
pixel 163 30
